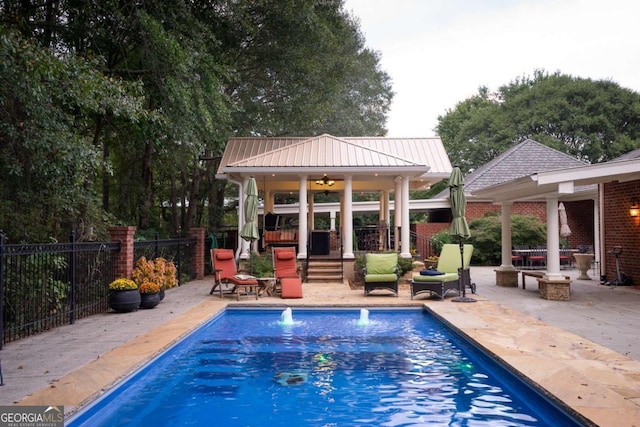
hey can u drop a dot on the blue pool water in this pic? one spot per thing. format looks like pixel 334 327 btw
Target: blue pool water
pixel 245 368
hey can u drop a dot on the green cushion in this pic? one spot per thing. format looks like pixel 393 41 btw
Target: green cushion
pixel 450 261
pixel 381 263
pixel 447 277
pixel 379 278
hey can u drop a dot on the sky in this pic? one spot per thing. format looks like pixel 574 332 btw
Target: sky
pixel 440 52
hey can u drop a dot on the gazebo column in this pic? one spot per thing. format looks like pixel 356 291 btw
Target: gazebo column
pixel 553 285
pixel 397 214
pixel 347 225
pixel 302 219
pixel 405 250
pixel 506 274
pixel 553 240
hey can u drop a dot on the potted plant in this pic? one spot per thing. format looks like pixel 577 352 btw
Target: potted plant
pixel 431 262
pixel 124 295
pixel 158 271
pixel 149 294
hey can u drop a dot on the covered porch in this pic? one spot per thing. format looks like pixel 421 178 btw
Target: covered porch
pixel 306 166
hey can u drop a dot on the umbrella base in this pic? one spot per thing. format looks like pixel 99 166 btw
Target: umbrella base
pixel 464 299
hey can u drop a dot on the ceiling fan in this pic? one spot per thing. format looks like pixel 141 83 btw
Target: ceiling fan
pixel 325 180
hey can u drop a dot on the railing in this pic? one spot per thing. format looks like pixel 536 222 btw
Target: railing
pixel 44 286
pixel 176 250
pixel 369 239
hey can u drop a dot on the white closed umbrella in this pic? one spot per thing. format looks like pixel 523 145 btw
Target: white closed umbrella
pixel 565 231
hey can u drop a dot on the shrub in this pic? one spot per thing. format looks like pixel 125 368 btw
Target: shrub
pixel 159 271
pixel 262 265
pixel 486 236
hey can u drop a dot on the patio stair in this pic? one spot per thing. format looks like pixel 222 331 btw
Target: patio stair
pixel 324 271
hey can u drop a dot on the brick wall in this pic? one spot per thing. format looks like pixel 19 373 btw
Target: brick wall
pixel 621 229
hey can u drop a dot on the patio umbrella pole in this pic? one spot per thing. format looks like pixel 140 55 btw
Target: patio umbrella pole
pixel 459 226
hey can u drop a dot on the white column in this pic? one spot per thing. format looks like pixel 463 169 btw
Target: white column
pixel 397 212
pixel 507 264
pixel 244 245
pixel 332 217
pixel 387 208
pixel 553 241
pixel 347 226
pixel 387 218
pixel 405 251
pixel 302 219
pixel 268 201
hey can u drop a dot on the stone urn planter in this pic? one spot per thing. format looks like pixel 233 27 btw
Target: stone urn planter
pixel 430 264
pixel 149 295
pixel 149 300
pixel 124 301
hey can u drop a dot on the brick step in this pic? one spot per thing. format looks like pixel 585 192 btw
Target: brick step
pixel 324 278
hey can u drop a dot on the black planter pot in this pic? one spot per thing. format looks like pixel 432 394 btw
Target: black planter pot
pixel 124 301
pixel 149 300
pixel 161 294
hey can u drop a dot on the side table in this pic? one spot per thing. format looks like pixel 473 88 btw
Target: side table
pixel 267 285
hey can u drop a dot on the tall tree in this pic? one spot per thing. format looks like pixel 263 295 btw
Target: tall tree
pixel 592 120
pixel 199 72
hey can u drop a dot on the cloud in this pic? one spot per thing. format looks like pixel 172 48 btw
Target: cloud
pixel 439 53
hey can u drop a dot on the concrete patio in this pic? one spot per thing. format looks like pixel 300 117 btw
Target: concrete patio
pixel 585 351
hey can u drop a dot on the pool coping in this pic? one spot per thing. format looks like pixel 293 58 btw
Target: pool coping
pixel 597 383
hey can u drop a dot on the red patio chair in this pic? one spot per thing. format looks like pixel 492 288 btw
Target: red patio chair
pixel 285 270
pixel 226 277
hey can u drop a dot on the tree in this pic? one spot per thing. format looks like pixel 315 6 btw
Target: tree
pixel 591 120
pixel 48 161
pixel 158 86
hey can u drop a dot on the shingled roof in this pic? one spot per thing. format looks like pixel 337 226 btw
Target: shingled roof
pixel 523 159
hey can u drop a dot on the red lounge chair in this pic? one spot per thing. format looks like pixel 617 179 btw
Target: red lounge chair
pixel 226 277
pixel 285 269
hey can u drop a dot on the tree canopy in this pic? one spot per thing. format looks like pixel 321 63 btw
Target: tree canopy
pixel 593 120
pixel 109 109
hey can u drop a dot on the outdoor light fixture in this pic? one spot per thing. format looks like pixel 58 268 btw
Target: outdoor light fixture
pixel 325 181
pixel 634 210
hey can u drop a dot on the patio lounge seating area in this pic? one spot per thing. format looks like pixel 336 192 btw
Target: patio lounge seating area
pixel 445 278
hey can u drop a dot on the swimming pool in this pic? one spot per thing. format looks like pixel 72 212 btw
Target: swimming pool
pixel 323 367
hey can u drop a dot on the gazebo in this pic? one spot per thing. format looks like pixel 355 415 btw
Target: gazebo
pixel 311 165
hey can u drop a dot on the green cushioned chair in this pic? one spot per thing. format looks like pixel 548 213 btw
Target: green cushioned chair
pixel 449 264
pixel 381 272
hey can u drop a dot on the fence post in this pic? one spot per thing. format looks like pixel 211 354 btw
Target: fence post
pixel 1 290
pixel 198 253
pixel 124 261
pixel 72 266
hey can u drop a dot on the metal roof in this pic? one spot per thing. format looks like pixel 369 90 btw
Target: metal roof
pixel 423 159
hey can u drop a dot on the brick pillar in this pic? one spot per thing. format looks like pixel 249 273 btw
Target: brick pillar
pixel 197 256
pixel 124 262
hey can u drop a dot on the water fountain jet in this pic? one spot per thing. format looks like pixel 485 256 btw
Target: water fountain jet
pixel 364 317
pixel 286 318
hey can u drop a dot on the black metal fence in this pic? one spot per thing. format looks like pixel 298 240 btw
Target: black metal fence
pixel 179 251
pixel 43 286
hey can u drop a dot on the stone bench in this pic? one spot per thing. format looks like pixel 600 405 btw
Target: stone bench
pixel 536 274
